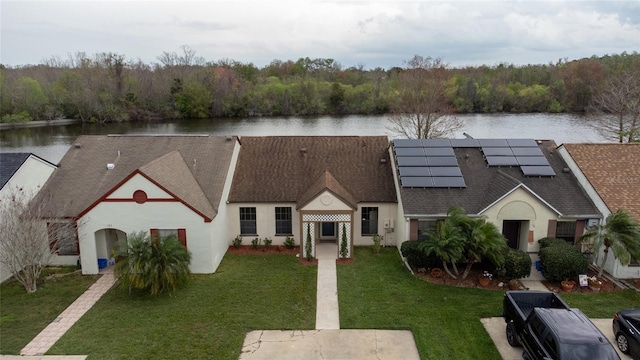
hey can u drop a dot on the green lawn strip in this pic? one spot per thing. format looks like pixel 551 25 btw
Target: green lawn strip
pixel 23 315
pixel 378 292
pixel 208 318
pixel 603 305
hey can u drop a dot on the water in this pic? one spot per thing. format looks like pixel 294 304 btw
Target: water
pixel 51 143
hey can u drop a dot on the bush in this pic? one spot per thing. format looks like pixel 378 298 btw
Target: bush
pixel 517 264
pixel 267 242
pixel 416 257
pixel 289 243
pixel 255 243
pixel 562 261
pixel 237 241
pixel 548 241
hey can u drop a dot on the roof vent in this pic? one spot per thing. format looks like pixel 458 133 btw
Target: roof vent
pixel 229 138
pixel 303 150
pixel 566 170
pixel 110 166
pixel 383 161
pixel 77 145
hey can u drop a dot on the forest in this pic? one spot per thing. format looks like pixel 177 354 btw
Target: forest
pixel 109 87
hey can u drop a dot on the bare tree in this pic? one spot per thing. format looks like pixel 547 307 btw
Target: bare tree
pixel 27 242
pixel 421 109
pixel 615 107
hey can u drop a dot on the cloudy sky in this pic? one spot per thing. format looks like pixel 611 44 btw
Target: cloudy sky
pixel 373 34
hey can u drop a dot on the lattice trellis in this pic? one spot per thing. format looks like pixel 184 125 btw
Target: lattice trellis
pixel 326 217
pixel 308 227
pixel 347 230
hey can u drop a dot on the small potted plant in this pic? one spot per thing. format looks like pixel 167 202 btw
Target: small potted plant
pixel 514 284
pixel 567 285
pixel 594 283
pixel 436 273
pixel 485 278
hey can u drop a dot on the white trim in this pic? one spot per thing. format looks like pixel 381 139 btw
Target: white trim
pixel 525 187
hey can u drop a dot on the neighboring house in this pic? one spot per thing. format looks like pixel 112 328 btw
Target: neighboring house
pixel 521 185
pixel 22 175
pixel 113 185
pixel 610 174
pixel 314 186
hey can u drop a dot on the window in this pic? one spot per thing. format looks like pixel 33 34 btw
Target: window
pixel 369 221
pixel 283 221
pixel 63 238
pixel 423 227
pixel 180 234
pixel 248 221
pixel 566 230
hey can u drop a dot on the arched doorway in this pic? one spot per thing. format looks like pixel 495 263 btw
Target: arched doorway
pixel 107 244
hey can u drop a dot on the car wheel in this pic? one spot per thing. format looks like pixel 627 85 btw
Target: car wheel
pixel 511 335
pixel 623 343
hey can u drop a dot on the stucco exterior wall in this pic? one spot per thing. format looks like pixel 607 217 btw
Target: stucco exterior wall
pixel 135 183
pixel 265 222
pixel 522 205
pixel 387 213
pixel 401 226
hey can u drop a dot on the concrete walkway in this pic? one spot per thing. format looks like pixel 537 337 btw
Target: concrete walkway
pixel 328 341
pixel 534 280
pixel 54 331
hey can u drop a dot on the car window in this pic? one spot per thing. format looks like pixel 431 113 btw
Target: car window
pixel 550 346
pixel 588 351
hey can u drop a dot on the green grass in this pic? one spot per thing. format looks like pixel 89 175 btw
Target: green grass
pixel 23 315
pixel 378 292
pixel 207 319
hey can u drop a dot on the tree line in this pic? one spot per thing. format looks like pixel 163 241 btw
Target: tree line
pixel 108 87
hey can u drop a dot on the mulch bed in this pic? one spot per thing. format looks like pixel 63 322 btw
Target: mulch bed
pixel 606 286
pixel 274 249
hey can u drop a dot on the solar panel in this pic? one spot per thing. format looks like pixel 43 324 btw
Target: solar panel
pixel 445 171
pixel 442 161
pixel 409 152
pixel 499 151
pixel 454 181
pixel 537 171
pixel 465 143
pixel 415 143
pixel 522 143
pixel 532 160
pixel 527 151
pixel 439 151
pixel 416 181
pixel 413 171
pixel 502 161
pixel 493 143
pixel 411 161
pixel 437 143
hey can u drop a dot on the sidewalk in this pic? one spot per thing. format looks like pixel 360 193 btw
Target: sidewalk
pixel 54 331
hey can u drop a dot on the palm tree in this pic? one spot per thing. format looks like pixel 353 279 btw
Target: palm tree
pixel 446 243
pixel 153 264
pixel 483 240
pixel 620 233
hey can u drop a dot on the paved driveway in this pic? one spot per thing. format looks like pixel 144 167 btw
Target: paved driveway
pixel 496 327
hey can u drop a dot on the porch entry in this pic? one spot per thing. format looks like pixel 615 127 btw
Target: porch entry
pixel 511 231
pixel 325 228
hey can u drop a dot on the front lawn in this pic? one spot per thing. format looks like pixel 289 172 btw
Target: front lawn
pixel 208 319
pixel 378 292
pixel 23 315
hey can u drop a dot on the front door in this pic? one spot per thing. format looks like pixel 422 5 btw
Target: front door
pixel 511 231
pixel 328 231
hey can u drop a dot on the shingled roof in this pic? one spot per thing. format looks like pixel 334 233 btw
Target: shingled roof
pixel 486 185
pixel 297 168
pixel 613 171
pixel 193 168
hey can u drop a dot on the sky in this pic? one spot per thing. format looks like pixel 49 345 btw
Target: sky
pixel 354 33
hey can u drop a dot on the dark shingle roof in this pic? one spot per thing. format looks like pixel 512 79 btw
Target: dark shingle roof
pixel 296 168
pixel 485 185
pixel 193 168
pixel 613 171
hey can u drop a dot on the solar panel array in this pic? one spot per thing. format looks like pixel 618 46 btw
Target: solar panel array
pixel 427 163
pixel 524 153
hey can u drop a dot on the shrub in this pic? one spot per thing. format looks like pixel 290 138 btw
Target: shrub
pixel 517 264
pixel 237 241
pixel 289 243
pixel 308 247
pixel 344 251
pixel 416 257
pixel 562 261
pixel 548 241
pixel 255 243
pixel 267 242
pixel 376 243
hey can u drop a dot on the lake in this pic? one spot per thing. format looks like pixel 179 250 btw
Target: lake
pixel 52 142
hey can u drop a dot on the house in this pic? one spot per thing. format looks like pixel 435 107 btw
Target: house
pixel 113 185
pixel 22 175
pixel 520 185
pixel 313 187
pixel 610 174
